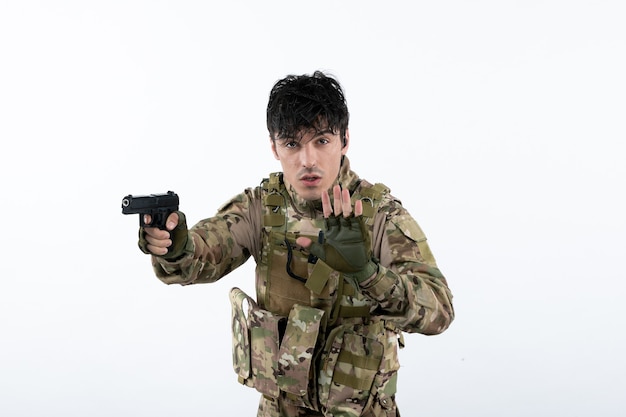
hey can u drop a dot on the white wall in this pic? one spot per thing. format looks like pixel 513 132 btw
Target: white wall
pixel 499 124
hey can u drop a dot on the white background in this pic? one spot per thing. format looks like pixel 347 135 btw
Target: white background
pixel 499 124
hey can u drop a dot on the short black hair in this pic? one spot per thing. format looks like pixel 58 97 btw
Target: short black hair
pixel 304 102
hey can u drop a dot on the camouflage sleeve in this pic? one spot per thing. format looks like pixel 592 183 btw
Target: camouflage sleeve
pixel 410 290
pixel 217 245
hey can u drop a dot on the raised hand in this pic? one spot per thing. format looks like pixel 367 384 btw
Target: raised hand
pixel 346 245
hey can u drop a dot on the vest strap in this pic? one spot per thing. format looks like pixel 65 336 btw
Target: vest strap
pixel 366 362
pixel 274 200
pixel 370 196
pixel 274 219
pixel 275 181
pixel 343 378
pixel 354 311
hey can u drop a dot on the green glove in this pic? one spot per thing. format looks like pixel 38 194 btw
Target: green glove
pixel 345 246
pixel 178 235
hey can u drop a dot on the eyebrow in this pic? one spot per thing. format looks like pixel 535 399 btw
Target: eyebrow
pixel 324 132
pixel 317 134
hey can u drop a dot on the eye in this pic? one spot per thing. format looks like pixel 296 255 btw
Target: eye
pixel 291 144
pixel 323 141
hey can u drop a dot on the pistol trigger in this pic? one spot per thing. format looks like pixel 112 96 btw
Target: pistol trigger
pixel 159 219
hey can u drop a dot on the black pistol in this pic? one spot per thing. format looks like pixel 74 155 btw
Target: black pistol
pixel 158 206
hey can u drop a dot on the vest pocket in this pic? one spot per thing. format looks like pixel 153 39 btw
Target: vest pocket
pixel 241 335
pixel 283 291
pixel 264 342
pixel 295 357
pixel 273 353
pixel 256 337
pixel 350 362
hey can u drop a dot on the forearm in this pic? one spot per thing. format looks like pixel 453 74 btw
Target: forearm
pixel 209 255
pixel 416 300
pixel 216 245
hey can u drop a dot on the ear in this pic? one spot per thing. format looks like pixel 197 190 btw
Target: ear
pixel 346 143
pixel 273 146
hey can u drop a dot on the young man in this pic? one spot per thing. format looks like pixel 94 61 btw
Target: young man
pixel 342 268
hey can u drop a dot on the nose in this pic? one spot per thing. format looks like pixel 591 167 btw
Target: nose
pixel 308 155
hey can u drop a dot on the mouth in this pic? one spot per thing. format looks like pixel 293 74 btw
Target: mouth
pixel 310 180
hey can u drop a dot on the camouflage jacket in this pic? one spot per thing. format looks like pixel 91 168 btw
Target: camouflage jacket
pixel 408 293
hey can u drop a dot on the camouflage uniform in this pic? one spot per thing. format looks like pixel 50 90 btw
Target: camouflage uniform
pixel 314 342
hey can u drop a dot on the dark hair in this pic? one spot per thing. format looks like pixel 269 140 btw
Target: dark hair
pixel 303 102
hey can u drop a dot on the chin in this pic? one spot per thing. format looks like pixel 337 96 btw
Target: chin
pixel 310 195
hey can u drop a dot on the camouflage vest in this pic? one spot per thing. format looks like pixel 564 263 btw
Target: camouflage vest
pixel 309 336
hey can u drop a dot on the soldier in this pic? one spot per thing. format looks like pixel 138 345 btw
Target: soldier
pixel 342 267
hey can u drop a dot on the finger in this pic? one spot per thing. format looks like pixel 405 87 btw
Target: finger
pixel 326 207
pixel 358 208
pixel 147 219
pixel 155 250
pixel 157 233
pixel 337 199
pixel 172 221
pixel 158 243
pixel 346 204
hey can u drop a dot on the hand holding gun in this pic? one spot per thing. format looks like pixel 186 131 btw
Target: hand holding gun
pixel 163 229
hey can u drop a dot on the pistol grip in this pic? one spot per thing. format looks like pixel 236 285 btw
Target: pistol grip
pixel 158 220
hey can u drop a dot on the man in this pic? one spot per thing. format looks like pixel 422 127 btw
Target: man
pixel 342 268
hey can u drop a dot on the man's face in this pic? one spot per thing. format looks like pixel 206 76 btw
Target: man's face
pixel 311 164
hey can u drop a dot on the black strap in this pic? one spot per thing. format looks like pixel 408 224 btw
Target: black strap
pixel 288 265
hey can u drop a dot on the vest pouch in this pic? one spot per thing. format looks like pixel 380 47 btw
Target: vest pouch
pixel 241 335
pixel 255 344
pixel 350 363
pixel 296 373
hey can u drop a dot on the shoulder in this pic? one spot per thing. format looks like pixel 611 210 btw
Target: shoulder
pixel 379 197
pixel 244 201
pixel 389 209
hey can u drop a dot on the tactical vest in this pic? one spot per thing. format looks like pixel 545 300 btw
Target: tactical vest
pixel 309 334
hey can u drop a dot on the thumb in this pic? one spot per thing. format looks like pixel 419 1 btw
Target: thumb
pixel 317 249
pixel 305 242
pixel 172 221
pixel 313 247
